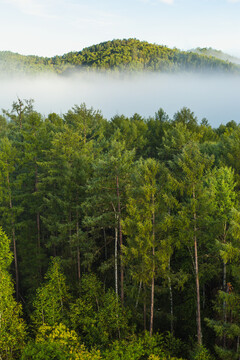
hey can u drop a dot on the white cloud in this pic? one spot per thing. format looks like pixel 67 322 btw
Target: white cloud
pixel 31 7
pixel 169 2
pixel 233 1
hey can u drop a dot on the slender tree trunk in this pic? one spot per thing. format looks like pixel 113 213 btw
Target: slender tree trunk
pixel 116 251
pixel 38 215
pixel 105 243
pixel 70 221
pixel 106 255
pixel 38 225
pixel 170 292
pixel 138 295
pixel 152 306
pixel 13 239
pixel 238 346
pixel 116 261
pixel 224 263
pixel 38 231
pixel 153 269
pixel 144 309
pixel 224 284
pixel 204 297
pixel 171 299
pixel 120 242
pixel 78 250
pixel 15 261
pixel 198 313
pixel 199 331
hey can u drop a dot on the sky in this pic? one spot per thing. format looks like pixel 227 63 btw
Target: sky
pixel 55 27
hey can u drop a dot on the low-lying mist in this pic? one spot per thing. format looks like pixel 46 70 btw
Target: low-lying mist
pixel 215 97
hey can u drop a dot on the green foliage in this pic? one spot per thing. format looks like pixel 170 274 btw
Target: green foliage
pixel 142 347
pixel 174 140
pixel 12 327
pixel 227 326
pixel 98 317
pixel 58 343
pixel 201 353
pixel 51 298
pixel 44 351
pixel 142 234
pixel 156 357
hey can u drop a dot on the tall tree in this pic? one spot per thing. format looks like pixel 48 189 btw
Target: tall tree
pixel 192 168
pixel 145 252
pixel 32 144
pixel 8 209
pixel 222 185
pixel 65 171
pixel 226 324
pixel 107 197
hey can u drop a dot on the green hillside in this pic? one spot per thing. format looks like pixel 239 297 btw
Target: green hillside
pixel 130 54
pixel 13 63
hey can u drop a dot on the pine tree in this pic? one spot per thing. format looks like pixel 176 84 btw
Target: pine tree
pixel 192 168
pixel 106 198
pixel 146 252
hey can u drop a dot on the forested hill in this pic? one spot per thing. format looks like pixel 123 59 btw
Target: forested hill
pixel 128 54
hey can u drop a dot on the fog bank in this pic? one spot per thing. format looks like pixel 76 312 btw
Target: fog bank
pixel 215 97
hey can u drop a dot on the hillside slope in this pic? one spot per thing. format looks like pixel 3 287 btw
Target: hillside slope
pixel 217 54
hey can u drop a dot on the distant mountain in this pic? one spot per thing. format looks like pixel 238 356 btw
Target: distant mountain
pixel 217 54
pixel 117 55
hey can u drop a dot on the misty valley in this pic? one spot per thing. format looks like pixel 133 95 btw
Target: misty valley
pixel 210 96
pixel 125 77
pixel 120 207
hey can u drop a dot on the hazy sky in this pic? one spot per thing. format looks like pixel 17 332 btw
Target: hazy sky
pixel 50 27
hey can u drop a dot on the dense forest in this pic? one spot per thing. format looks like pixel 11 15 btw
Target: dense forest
pixel 119 239
pixel 117 55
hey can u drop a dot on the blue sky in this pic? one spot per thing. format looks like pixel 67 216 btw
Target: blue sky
pixel 50 27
